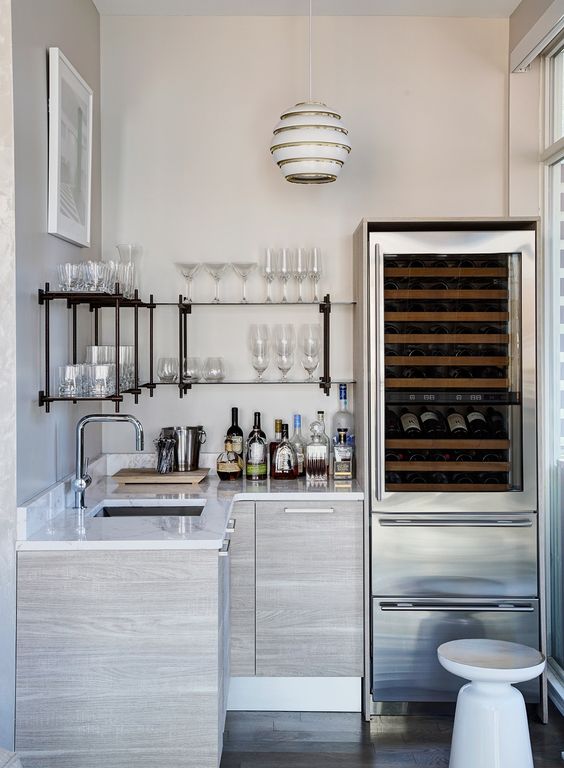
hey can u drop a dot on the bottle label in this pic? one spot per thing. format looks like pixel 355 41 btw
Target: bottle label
pixel 409 421
pixel 429 416
pixel 237 443
pixel 228 466
pixel 256 470
pixel 476 416
pixel 342 469
pixel 456 421
pixel 256 453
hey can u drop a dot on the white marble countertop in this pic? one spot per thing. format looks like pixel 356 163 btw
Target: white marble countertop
pixel 49 522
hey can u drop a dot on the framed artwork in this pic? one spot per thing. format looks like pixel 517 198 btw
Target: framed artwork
pixel 70 151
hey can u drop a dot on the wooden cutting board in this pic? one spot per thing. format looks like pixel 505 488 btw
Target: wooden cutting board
pixel 152 476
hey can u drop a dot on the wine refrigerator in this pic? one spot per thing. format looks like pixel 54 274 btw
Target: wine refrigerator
pixel 446 397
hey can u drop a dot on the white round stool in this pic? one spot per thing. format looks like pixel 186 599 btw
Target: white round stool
pixel 490 724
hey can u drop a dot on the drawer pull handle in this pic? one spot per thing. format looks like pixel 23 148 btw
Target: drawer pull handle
pixel 225 548
pixel 308 511
pixel 481 522
pixel 472 608
pixel 231 523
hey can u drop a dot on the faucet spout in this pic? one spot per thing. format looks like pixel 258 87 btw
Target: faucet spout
pixel 81 478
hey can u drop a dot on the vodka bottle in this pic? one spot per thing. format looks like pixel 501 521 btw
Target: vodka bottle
pixel 343 419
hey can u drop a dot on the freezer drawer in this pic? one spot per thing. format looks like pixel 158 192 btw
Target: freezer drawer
pixel 406 633
pixel 448 555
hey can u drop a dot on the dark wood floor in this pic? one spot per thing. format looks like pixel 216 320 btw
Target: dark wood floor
pixel 331 740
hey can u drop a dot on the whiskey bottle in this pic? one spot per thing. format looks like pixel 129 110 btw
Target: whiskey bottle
pixel 284 464
pixel 229 462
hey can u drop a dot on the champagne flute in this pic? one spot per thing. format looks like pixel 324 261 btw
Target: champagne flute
pixel 244 269
pixel 269 270
pixel 284 269
pixel 259 342
pixel 189 271
pixel 301 268
pixel 314 270
pixel 285 342
pixel 216 270
pixel 310 342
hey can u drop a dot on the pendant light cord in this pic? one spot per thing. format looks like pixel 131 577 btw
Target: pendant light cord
pixel 310 1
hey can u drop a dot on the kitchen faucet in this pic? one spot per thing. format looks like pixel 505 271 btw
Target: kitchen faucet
pixel 82 479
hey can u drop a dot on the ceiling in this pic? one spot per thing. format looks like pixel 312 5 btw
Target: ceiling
pixel 461 8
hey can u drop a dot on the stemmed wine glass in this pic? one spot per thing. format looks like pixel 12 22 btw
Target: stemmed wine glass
pixel 284 269
pixel 259 342
pixel 301 268
pixel 216 270
pixel 244 269
pixel 285 343
pixel 310 344
pixel 314 270
pixel 189 272
pixel 269 270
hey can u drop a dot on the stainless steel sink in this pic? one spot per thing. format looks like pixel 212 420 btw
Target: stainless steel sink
pixel 188 510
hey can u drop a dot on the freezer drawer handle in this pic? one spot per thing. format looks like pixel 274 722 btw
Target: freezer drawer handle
pixel 308 511
pixel 503 607
pixel 224 551
pixel 439 522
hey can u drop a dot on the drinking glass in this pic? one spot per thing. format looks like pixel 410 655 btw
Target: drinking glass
pixel 189 270
pixel 284 342
pixel 310 364
pixel 69 384
pixel 70 277
pixel 130 257
pixel 284 269
pixel 310 342
pixel 314 270
pixel 126 367
pixel 244 269
pixel 101 380
pixel 259 342
pixel 167 369
pixel 301 268
pixel 192 370
pixel 216 270
pixel 214 369
pixel 269 270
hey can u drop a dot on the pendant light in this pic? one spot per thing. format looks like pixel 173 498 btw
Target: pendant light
pixel 310 143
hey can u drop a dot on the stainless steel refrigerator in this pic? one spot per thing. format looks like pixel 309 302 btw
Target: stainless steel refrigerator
pixel 447 392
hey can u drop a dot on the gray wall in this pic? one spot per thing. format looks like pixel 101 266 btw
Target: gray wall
pixel 7 385
pixel 45 441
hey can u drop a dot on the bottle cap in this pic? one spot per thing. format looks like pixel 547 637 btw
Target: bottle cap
pixel 297 421
pixel 278 425
pixel 284 430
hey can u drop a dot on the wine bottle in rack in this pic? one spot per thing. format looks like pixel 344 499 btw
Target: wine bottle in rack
pixel 439 477
pixel 491 372
pixel 461 457
pixel 497 423
pixel 439 328
pixel 389 328
pixel 415 477
pixel 414 373
pixel 460 373
pixel 391 285
pixel 489 478
pixel 461 478
pixel 477 423
pixel 440 456
pixel 416 351
pixel 490 330
pixel 457 423
pixel 433 422
pixel 410 423
pixel 393 424
pixel 414 456
pixel 491 457
pixel 395 456
pixel 393 478
pixel 413 329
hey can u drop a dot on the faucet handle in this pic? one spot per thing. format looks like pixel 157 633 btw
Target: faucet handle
pixel 86 477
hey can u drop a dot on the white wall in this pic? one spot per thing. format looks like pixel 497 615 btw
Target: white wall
pixel 188 108
pixel 46 441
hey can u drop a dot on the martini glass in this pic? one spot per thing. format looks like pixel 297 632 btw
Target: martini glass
pixel 189 272
pixel 244 269
pixel 216 270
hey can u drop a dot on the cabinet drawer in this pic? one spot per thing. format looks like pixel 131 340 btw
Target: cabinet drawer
pixel 309 592
pixel 242 556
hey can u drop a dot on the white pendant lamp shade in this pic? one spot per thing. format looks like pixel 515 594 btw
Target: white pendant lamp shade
pixel 310 143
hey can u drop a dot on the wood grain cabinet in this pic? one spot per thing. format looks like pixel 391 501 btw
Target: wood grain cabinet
pixel 309 589
pixel 122 658
pixel 242 550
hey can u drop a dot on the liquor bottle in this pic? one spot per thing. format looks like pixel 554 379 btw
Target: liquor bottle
pixel 324 437
pixel 343 418
pixel 256 425
pixel 277 437
pixel 299 444
pixel 433 422
pixel 457 423
pixel 284 464
pixel 477 423
pixel 257 463
pixel 343 456
pixel 393 424
pixel 317 455
pixel 235 433
pixel 229 462
pixel 497 423
pixel 410 423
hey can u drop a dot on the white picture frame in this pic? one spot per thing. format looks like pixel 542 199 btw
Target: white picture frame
pixel 70 151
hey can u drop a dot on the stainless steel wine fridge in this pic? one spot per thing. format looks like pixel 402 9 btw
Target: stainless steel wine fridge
pixel 445 363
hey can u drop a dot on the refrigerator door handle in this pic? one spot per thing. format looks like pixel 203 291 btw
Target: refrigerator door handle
pixel 376 352
pixel 445 522
pixel 451 607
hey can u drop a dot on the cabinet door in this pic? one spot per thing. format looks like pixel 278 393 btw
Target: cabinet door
pixel 242 549
pixel 309 591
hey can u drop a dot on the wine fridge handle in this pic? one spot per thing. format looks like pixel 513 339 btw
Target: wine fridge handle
pixel 376 352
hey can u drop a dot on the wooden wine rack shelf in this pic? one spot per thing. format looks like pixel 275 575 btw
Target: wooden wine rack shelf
pixel 444 293
pixel 448 466
pixel 446 338
pixel 446 487
pixel 445 272
pixel 461 443
pixel 463 361
pixel 425 383
pixel 436 317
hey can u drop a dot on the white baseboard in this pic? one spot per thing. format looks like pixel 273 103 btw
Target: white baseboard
pixel 295 694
